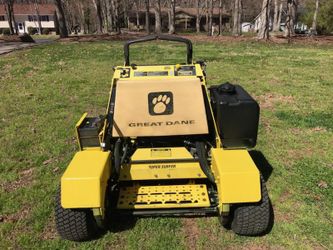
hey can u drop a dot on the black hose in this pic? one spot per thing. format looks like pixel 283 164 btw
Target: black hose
pixel 117 159
pixel 202 155
pixel 124 154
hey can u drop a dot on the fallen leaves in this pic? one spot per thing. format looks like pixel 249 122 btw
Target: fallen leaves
pixel 24 180
pixel 322 184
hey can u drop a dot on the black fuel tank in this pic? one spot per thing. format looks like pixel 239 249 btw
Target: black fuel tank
pixel 236 114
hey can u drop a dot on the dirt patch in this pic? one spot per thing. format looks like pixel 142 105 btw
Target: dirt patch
pixel 299 39
pixel 26 177
pixel 103 37
pixel 16 217
pixel 25 38
pixel 49 232
pixel 282 216
pixel 318 129
pixel 297 154
pixel 254 246
pixel 278 214
pixel 269 100
pixel 191 232
pixel 19 228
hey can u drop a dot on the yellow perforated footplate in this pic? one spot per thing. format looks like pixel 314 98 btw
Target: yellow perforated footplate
pixel 173 196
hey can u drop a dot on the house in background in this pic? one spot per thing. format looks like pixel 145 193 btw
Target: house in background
pixel 26 16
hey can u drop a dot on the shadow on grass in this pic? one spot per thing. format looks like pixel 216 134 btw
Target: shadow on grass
pixel 262 164
pixel 121 223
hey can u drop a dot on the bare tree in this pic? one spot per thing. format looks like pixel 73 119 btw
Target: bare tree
pixel 63 32
pixel 199 11
pixel 109 21
pixel 237 14
pixel 137 14
pixel 38 17
pixel 126 6
pixel 9 8
pixel 210 19
pixel 157 12
pixel 291 18
pixel 116 15
pixel 171 15
pixel 314 22
pixel 263 32
pixel 207 15
pixel 278 24
pixel 97 5
pixel 147 17
pixel 276 27
pixel 220 16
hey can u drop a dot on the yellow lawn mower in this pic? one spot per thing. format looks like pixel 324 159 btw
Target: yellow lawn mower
pixel 167 146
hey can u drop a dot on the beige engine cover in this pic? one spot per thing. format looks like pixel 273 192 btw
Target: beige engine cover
pixel 159 107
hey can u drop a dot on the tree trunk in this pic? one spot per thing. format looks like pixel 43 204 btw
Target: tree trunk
pixel 172 17
pixel 109 15
pixel 97 5
pixel 291 18
pixel 147 17
pixel 157 12
pixel 263 32
pixel 237 14
pixel 105 16
pixel 278 24
pixel 136 6
pixel 210 18
pixel 116 19
pixel 82 17
pixel 38 17
pixel 10 16
pixel 125 11
pixel 314 22
pixel 198 16
pixel 63 32
pixel 276 27
pixel 220 17
pixel 207 15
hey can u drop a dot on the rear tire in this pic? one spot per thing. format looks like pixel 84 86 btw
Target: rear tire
pixel 253 219
pixel 75 224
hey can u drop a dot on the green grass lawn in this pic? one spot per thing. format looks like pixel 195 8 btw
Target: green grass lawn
pixel 44 91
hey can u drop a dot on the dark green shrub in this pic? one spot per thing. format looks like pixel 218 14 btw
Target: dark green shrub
pixel 45 31
pixel 32 30
pixel 5 31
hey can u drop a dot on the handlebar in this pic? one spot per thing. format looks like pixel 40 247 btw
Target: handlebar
pixel 159 37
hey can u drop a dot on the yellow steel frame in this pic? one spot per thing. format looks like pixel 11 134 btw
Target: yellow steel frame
pixel 156 169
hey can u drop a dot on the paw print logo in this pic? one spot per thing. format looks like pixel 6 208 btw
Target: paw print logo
pixel 160 103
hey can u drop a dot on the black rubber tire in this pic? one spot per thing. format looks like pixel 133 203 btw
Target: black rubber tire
pixel 75 224
pixel 253 219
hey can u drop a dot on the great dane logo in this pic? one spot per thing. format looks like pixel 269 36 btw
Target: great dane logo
pixel 160 103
